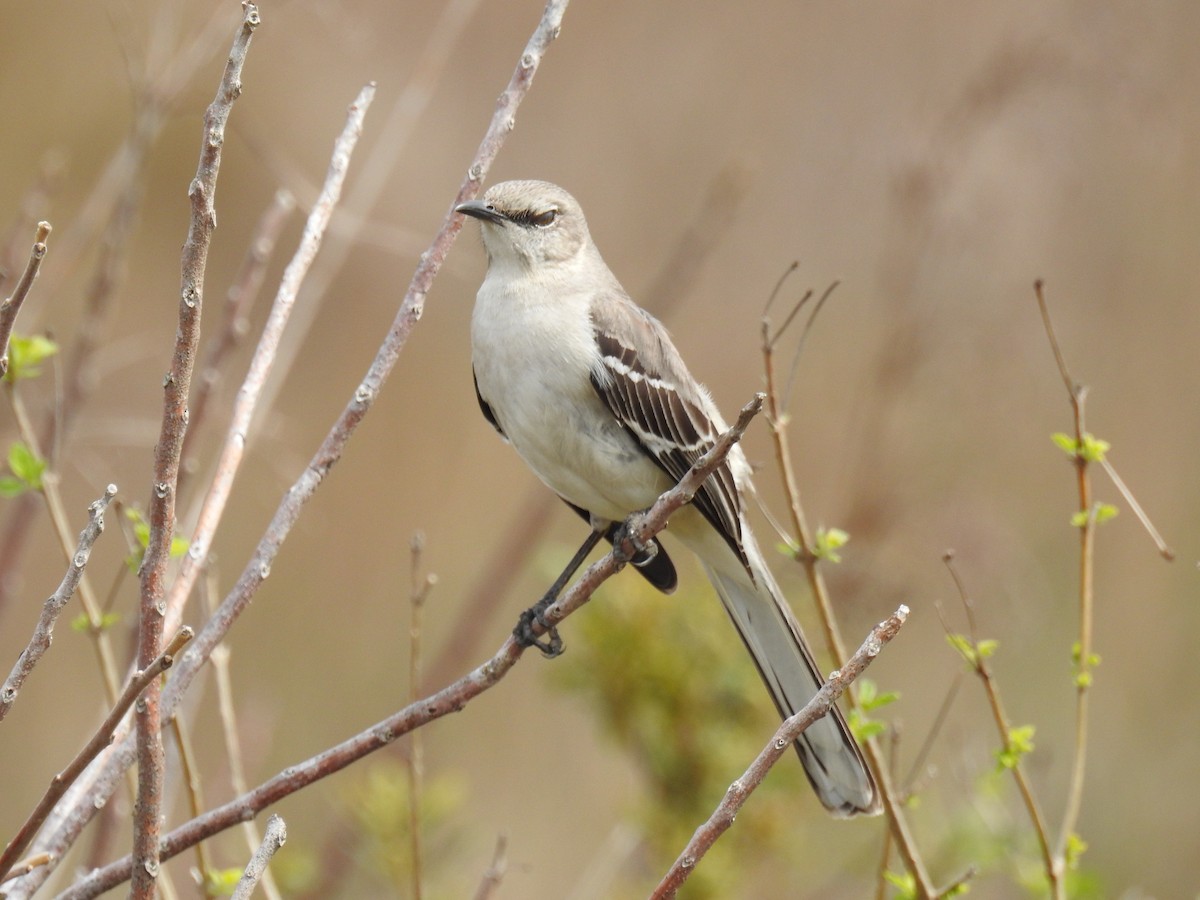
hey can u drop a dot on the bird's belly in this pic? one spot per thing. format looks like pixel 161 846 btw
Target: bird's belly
pixel 578 449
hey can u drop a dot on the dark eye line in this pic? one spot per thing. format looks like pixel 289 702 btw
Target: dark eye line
pixel 536 219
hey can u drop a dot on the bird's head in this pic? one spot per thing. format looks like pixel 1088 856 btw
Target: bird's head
pixel 529 223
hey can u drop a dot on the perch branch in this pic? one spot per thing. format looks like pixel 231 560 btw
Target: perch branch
pixel 641 527
pixel 739 792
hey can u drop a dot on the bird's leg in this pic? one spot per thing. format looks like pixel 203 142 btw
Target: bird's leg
pixel 553 644
pixel 643 551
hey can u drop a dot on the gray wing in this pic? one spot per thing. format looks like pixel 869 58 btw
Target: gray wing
pixel 644 383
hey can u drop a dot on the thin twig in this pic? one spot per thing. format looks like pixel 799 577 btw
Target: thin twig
pixel 641 527
pixel 194 791
pixel 231 732
pixel 808 558
pixel 138 683
pixel 43 633
pixel 416 756
pixel 737 794
pixel 60 521
pixel 376 172
pixel 979 664
pixel 1167 553
pixel 274 838
pixel 1087 544
pixel 147 816
pixel 12 304
pixel 27 865
pixel 490 883
pixel 81 807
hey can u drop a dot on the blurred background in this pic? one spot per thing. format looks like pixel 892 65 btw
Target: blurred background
pixel 934 158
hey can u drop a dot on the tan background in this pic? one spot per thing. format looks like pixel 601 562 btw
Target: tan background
pixel 935 157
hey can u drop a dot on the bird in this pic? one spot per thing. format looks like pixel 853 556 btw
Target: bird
pixel 591 392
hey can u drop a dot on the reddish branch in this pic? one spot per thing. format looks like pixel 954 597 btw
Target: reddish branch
pixel 161 513
pixel 722 818
pixel 642 527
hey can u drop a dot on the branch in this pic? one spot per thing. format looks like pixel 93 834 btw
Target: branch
pixel 275 838
pixel 43 634
pixel 735 798
pixel 12 304
pixel 642 526
pixel 104 780
pixel 138 683
pixel 248 396
pixel 161 513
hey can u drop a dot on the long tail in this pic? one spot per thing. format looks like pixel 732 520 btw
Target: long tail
pixel 830 755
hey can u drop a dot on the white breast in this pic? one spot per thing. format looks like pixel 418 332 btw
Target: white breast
pixel 533 351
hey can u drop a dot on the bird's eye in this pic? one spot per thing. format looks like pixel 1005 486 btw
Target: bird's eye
pixel 543 219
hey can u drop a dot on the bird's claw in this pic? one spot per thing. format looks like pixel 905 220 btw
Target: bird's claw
pixel 524 632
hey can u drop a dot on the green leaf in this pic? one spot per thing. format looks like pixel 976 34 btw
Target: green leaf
pixel 83 624
pixel 1076 847
pixel 221 882
pixel 970 651
pixel 12 487
pixel 870 698
pixel 1090 448
pixel 1100 513
pixel 829 541
pixel 25 354
pixel 1020 742
pixel 1065 442
pixel 26 465
pixel 903 882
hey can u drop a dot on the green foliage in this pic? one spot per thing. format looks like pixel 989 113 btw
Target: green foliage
pixel 673 686
pixel 82 624
pixel 1100 513
pixel 27 469
pixel 829 541
pixel 141 532
pixel 1083 673
pixel 1019 743
pixel 377 802
pixel 869 699
pixel 904 883
pixel 25 355
pixel 973 653
pixel 1089 449
pixel 221 882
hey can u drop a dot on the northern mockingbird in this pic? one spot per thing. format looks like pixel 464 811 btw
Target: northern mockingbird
pixel 590 391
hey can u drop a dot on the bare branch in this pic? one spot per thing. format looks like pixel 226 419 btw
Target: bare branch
pixel 161 512
pixel 12 304
pixel 75 815
pixel 642 527
pixel 138 683
pixel 490 883
pixel 722 818
pixel 238 300
pixel 43 634
pixel 248 397
pixel 275 838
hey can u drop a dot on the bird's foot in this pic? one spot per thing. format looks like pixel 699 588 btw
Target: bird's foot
pixel 526 636
pixel 629 548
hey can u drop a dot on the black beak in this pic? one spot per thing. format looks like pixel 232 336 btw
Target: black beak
pixel 477 209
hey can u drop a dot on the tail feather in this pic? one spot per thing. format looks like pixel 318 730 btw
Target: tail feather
pixel 830 756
